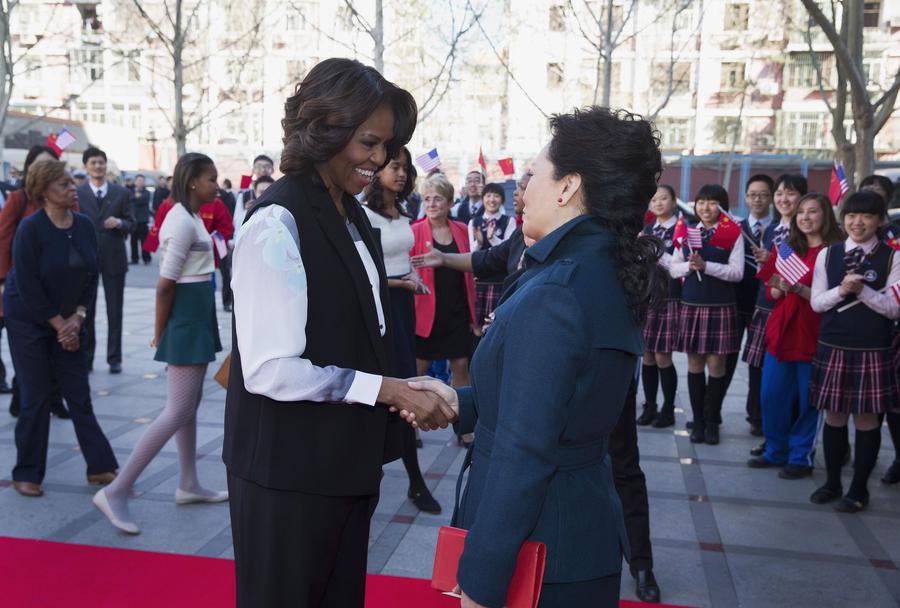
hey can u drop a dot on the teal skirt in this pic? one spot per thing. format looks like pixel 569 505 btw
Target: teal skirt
pixel 191 336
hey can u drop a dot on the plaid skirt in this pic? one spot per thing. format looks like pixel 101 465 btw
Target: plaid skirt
pixel 755 348
pixel 853 381
pixel 710 330
pixel 661 327
pixel 487 295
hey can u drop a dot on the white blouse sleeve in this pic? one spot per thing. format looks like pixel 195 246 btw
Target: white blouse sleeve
pixel 822 299
pixel 677 266
pixel 733 271
pixel 885 303
pixel 270 311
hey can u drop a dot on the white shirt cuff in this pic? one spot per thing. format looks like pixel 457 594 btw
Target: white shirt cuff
pixel 364 389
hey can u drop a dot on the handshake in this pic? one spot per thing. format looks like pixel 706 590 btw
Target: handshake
pixel 423 402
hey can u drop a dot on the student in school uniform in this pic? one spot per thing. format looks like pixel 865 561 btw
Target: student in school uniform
pixel 758 193
pixel 792 334
pixel 661 326
pixel 789 189
pixel 708 325
pixel 853 370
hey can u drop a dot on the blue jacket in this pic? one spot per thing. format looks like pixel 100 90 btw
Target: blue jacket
pixel 549 380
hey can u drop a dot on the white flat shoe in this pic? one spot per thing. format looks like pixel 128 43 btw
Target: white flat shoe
pixel 102 503
pixel 183 497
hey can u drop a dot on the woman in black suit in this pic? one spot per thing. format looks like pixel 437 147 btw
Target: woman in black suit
pixel 307 421
pixel 552 371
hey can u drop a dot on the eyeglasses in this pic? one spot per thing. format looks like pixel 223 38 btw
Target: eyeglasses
pixel 758 196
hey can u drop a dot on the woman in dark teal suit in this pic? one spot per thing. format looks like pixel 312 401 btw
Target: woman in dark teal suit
pixel 551 374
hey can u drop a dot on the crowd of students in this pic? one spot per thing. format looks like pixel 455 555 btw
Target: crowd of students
pixel 811 287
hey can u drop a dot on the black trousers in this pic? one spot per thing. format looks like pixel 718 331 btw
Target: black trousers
pixel 137 242
pixel 225 269
pixel 595 593
pixel 114 292
pixel 38 357
pixel 631 484
pixel 298 550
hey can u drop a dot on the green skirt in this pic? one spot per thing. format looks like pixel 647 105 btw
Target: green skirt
pixel 191 336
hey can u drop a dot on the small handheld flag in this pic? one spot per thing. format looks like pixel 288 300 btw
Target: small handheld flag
pixel 894 243
pixel 839 186
pixel 481 161
pixel 246 180
pixel 895 289
pixel 506 165
pixel 680 233
pixel 429 161
pixel 60 141
pixel 694 238
pixel 789 265
pixel 219 242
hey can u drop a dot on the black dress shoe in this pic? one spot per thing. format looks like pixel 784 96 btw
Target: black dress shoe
pixel 892 475
pixel 755 430
pixel 664 419
pixel 115 368
pixel 758 450
pixel 825 494
pixel 424 501
pixel 851 505
pixel 5 388
pixel 760 462
pixel 697 434
pixel 711 434
pixel 645 587
pixel 795 471
pixel 647 415
pixel 689 424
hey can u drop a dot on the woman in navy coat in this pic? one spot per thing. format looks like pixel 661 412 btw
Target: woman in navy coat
pixel 551 374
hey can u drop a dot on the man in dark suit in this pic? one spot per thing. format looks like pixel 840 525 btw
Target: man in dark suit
pixel 109 207
pixel 141 205
pixel 470 205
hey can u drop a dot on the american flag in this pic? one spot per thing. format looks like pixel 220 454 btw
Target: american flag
pixel 430 160
pixel 789 265
pixel 839 186
pixel 694 238
pixel 895 289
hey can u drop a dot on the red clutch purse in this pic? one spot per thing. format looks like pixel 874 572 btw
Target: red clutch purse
pixel 525 586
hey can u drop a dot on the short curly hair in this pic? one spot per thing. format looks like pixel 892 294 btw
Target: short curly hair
pixel 327 107
pixel 40 175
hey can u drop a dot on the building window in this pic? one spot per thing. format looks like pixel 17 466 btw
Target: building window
pixel 90 112
pixel 673 133
pixel 680 77
pixel 345 18
pixel 873 65
pixel 87 63
pixel 736 17
pixel 804 130
pixel 801 69
pixel 732 77
pixel 557 18
pixel 871 13
pixel 555 75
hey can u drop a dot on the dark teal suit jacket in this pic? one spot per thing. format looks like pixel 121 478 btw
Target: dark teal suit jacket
pixel 549 380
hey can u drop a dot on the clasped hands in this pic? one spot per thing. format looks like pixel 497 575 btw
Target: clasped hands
pixel 696 263
pixel 852 284
pixel 423 402
pixel 67 332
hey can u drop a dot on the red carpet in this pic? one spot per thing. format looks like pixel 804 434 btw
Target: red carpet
pixel 39 574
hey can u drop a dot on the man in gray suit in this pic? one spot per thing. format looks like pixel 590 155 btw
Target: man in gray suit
pixel 109 207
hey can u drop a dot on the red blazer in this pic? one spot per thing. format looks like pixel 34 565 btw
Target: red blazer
pixel 215 216
pixel 792 331
pixel 425 305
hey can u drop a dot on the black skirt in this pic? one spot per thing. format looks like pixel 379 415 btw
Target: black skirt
pixel 403 315
pixel 451 335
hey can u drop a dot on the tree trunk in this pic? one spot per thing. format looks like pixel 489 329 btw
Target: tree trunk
pixel 864 152
pixel 6 70
pixel 378 36
pixel 180 131
pixel 607 55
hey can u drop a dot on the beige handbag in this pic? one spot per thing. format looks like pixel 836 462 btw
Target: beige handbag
pixel 222 375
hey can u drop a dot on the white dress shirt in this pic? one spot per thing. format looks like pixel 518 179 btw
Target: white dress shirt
pixel 823 299
pixel 731 272
pixel 396 241
pixel 666 258
pixel 270 311
pixel 496 239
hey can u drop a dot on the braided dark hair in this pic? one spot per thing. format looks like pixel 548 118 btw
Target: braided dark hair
pixel 616 153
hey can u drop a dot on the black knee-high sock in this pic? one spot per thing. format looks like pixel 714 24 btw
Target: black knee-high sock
pixel 865 454
pixel 697 392
pixel 650 381
pixel 835 440
pixel 754 379
pixel 715 395
pixel 893 423
pixel 668 377
pixel 731 361
pixel 411 458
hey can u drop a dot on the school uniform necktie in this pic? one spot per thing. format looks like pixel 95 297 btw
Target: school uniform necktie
pixel 707 233
pixel 853 259
pixel 659 232
pixel 781 234
pixel 757 230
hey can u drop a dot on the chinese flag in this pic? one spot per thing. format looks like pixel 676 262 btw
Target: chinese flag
pixel 51 141
pixel 481 161
pixel 506 165
pixel 246 180
pixel 680 233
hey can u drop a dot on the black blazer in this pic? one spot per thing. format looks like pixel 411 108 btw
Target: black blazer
pixel 333 450
pixel 116 203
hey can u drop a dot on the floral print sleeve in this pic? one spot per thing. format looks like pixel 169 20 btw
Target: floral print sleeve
pixel 270 310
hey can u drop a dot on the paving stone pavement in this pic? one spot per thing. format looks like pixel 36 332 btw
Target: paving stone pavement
pixel 723 535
